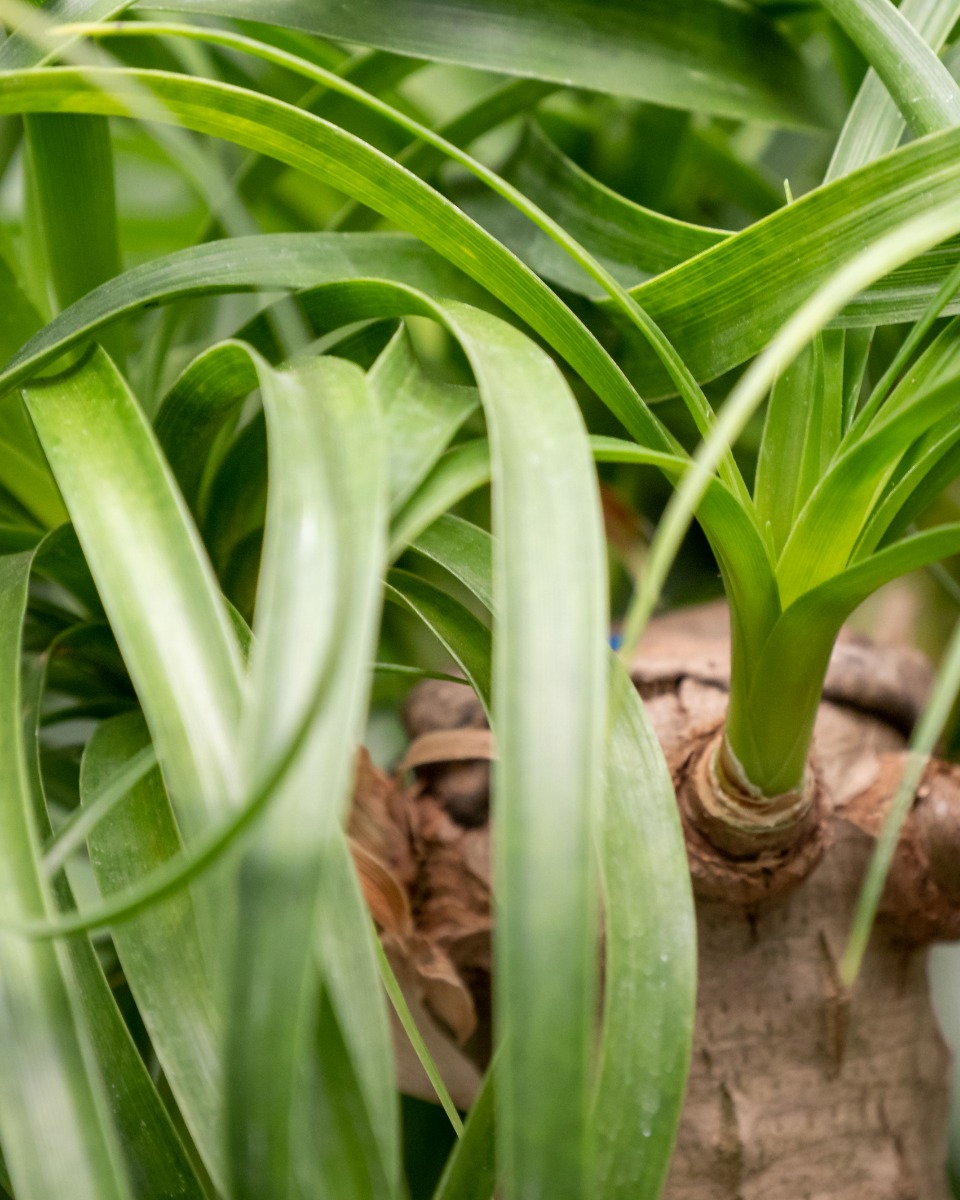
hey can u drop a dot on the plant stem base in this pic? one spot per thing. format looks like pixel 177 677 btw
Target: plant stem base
pixel 799 1089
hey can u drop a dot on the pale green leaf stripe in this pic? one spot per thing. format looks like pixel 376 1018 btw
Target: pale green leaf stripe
pixel 651 959
pixel 673 52
pixel 829 526
pixel 722 307
pixel 155 582
pixel 464 550
pixel 158 1164
pixel 317 613
pixel 923 88
pixel 463 635
pixel 21 50
pixel 545 682
pixel 548 706
pixel 460 471
pixel 421 414
pixel 159 593
pixel 310 412
pixel 159 950
pixel 874 124
pixel 911 238
pixel 269 127
pixel 262 262
pixel 630 240
pixel 180 649
pixel 53 1113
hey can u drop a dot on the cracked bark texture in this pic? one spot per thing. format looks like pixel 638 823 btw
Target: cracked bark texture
pixel 798 1090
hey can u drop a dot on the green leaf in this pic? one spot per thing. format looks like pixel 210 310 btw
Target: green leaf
pixel 631 241
pixel 650 932
pixel 72 162
pixel 749 728
pixel 158 1163
pixel 421 414
pixel 361 172
pixel 267 262
pixel 921 475
pixel 923 88
pixel 790 682
pixel 495 108
pixel 470 1173
pixel 19 319
pixel 721 308
pixel 874 124
pixel 547 930
pixel 826 532
pixel 160 950
pixel 547 704
pixel 54 1119
pixel 464 549
pixel 408 1023
pixel 316 616
pixel 801 434
pixel 457 473
pixel 334 1123
pixel 670 53
pixel 348 952
pixel 650 959
pixel 465 637
pixel 202 402
pixel 151 571
pixel 25 48
pixel 23 469
pixel 742 554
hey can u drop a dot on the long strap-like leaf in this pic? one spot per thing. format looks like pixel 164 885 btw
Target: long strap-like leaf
pixel 54 1126
pixel 660 50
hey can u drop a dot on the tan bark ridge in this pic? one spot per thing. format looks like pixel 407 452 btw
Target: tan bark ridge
pixel 798 1088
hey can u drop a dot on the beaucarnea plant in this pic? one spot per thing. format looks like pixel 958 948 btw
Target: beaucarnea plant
pixel 202 509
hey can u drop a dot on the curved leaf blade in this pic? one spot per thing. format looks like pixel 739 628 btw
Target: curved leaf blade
pixel 668 52
pixel 53 1114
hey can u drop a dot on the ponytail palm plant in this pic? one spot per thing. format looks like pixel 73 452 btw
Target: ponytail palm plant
pixel 272 308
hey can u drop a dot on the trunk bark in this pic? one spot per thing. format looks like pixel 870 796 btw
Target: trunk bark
pixel 797 1088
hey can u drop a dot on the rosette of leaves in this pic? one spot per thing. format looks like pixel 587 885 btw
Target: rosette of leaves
pixel 208 492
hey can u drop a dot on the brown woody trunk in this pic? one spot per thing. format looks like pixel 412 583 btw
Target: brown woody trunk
pixel 797 1089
